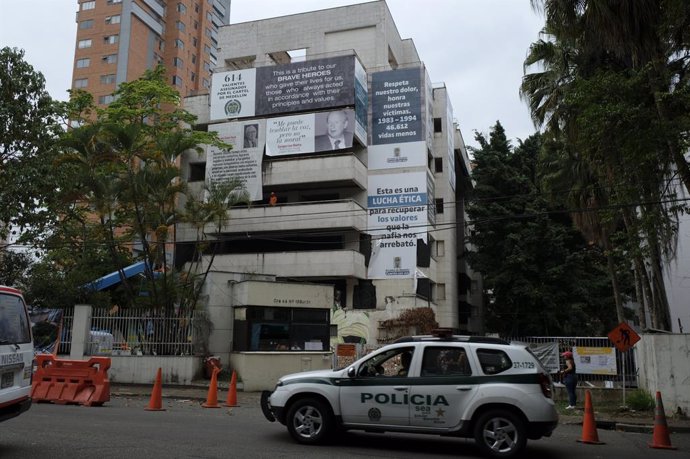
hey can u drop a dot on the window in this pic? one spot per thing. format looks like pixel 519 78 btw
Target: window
pixel 177 62
pixel 445 361
pixel 180 26
pixel 208 32
pixel 108 79
pixel 206 84
pixel 83 63
pixel 105 99
pixel 112 2
pixel 282 329
pixel 392 363
pixel 207 49
pixel 193 58
pixel 440 248
pixel 176 80
pixel 81 83
pixel 111 39
pixel 86 24
pixel 196 25
pixel 112 19
pixel 439 291
pixel 110 58
pixel 438 125
pixel 84 44
pixel 161 45
pixel 196 7
pixel 195 42
pixel 493 361
pixel 179 43
pixel 181 8
pixel 438 164
pixel 207 66
pixel 439 205
pixel 197 172
pixel 15 327
pixel 88 5
pixel 193 76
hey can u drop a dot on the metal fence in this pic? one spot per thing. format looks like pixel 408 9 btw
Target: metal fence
pixel 133 332
pixel 626 368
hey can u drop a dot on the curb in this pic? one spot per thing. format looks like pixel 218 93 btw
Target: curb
pixel 628 427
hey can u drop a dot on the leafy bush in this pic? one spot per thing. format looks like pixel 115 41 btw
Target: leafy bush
pixel 640 400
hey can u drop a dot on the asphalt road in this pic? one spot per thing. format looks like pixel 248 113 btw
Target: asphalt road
pixel 123 429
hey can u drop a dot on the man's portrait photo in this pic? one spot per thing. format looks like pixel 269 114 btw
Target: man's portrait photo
pixel 337 134
pixel 251 136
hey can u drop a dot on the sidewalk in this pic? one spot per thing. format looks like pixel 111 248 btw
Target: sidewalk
pixel 198 391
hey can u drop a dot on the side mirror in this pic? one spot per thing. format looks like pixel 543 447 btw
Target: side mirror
pixel 351 372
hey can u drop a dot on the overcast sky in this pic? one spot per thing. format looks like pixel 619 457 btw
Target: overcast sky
pixel 475 47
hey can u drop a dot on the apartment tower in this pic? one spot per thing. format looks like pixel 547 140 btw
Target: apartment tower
pixel 117 40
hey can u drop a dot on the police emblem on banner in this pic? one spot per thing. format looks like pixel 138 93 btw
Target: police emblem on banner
pixel 233 107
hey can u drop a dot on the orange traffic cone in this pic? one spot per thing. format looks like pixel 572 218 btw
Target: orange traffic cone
pixel 212 397
pixel 232 391
pixel 660 437
pixel 589 425
pixel 156 402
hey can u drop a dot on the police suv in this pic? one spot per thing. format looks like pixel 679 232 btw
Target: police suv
pixel 442 384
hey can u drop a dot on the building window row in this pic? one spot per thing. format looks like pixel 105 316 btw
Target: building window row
pixel 110 58
pixel 88 5
pixel 113 2
pixel 84 44
pixel 112 19
pixel 111 39
pixel 87 24
pixel 83 63
pixel 81 83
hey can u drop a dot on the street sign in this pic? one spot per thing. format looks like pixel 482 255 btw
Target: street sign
pixel 623 337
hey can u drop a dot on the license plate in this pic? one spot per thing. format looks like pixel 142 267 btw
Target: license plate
pixel 7 379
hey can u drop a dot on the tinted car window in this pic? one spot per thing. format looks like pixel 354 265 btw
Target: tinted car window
pixel 445 361
pixel 493 361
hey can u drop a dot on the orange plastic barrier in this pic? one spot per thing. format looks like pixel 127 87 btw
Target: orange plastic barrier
pixel 82 382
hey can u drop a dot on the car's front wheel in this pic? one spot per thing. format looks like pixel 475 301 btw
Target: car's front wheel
pixel 500 433
pixel 309 421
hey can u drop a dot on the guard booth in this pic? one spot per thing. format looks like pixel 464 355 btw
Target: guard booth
pixel 279 328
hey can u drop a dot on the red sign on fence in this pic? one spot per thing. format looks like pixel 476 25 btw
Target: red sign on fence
pixel 623 337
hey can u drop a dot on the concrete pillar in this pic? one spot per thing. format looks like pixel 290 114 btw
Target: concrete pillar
pixel 81 327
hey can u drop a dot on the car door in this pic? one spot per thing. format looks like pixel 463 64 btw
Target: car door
pixel 378 394
pixel 444 387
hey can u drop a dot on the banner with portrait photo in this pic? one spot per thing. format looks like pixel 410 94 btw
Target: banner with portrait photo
pixel 397 217
pixel 244 160
pixel 310 133
pixel 393 155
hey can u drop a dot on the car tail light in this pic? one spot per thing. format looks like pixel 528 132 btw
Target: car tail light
pixel 545 383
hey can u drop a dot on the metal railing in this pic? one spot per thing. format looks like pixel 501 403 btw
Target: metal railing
pixel 65 345
pixel 140 332
pixel 626 367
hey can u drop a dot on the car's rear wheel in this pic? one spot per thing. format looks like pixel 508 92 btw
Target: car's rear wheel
pixel 500 433
pixel 309 421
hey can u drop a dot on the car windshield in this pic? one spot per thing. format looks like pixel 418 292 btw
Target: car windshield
pixel 14 323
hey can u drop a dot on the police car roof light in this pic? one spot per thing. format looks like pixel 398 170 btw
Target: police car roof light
pixel 444 333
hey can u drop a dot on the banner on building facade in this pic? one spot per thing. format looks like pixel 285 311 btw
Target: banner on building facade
pixel 361 103
pixel 397 216
pixel 301 86
pixel 393 155
pixel 309 133
pixel 396 106
pixel 243 161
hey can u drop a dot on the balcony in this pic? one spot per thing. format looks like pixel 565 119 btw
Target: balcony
pixel 339 170
pixel 317 264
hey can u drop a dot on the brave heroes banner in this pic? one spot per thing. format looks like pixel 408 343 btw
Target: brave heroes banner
pixel 301 86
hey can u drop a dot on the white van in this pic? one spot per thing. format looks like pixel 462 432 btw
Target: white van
pixel 16 354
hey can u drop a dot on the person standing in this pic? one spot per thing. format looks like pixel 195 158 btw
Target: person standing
pixel 569 379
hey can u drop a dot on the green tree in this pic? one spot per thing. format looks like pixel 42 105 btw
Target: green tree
pixel 540 276
pixel 30 121
pixel 126 187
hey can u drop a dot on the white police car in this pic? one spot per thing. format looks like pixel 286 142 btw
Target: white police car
pixel 479 387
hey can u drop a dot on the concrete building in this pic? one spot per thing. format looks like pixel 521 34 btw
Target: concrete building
pixel 117 40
